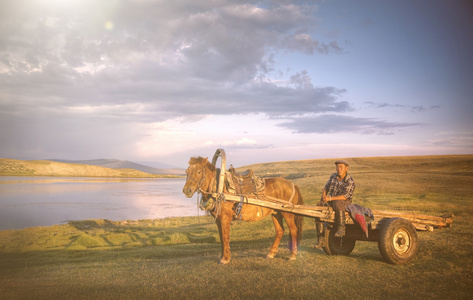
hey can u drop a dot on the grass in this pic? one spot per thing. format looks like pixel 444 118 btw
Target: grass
pixel 176 258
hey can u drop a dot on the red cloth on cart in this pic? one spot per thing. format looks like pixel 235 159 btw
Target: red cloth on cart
pixel 358 213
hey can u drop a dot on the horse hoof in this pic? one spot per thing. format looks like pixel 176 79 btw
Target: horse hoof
pixel 293 257
pixel 224 261
pixel 271 254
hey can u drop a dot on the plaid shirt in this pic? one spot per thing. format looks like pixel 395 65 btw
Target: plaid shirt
pixel 345 187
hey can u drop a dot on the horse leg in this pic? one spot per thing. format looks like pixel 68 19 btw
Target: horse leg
pixel 278 226
pixel 219 226
pixel 223 224
pixel 291 223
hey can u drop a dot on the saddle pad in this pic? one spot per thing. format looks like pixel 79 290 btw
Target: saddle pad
pixel 243 184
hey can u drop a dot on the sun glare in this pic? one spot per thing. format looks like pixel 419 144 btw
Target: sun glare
pixel 109 25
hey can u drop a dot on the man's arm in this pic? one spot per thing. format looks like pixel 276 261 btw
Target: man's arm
pixel 347 194
pixel 330 198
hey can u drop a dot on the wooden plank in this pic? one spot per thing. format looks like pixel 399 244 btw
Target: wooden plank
pixel 322 213
pixel 434 221
pixel 409 215
pixel 278 206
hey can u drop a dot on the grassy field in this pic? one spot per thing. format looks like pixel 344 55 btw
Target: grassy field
pixel 15 167
pixel 177 258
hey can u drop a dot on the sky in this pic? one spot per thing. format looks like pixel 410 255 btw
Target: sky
pixel 162 81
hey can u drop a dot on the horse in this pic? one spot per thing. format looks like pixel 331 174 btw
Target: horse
pixel 201 177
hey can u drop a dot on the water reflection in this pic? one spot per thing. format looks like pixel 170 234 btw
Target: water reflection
pixel 45 201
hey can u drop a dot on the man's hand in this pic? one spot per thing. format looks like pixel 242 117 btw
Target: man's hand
pixel 330 198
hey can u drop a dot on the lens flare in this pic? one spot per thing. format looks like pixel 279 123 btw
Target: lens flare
pixel 109 25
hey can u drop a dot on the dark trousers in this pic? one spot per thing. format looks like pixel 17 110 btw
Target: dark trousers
pixel 339 205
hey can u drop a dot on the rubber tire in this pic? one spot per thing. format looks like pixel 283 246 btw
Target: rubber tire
pixel 337 246
pixel 398 241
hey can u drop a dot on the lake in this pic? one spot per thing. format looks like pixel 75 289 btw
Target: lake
pixel 45 201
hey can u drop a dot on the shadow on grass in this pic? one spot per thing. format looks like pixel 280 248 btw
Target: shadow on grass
pixel 173 239
pixel 196 238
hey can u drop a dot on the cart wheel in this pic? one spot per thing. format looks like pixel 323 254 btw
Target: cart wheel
pixel 398 241
pixel 335 245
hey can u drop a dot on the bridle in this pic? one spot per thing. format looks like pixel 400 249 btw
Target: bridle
pixel 199 188
pixel 199 183
pixel 205 203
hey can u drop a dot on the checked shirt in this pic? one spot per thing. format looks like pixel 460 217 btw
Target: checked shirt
pixel 345 187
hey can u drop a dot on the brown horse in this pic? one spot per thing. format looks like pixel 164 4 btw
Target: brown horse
pixel 201 176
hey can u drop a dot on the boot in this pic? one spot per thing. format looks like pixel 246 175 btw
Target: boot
pixel 340 219
pixel 320 235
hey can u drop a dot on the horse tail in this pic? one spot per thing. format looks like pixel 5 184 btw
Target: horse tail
pixel 298 218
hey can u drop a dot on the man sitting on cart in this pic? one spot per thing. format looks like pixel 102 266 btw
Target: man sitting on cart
pixel 337 193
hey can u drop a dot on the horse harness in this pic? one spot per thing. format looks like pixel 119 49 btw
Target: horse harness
pixel 243 185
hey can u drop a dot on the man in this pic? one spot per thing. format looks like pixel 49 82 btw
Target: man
pixel 337 193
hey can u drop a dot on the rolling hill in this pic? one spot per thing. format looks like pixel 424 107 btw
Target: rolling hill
pixel 124 164
pixel 14 167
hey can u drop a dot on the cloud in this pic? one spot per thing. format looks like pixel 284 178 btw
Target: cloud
pixel 338 123
pixel 453 139
pixel 303 42
pixel 181 57
pixel 242 143
pixel 413 108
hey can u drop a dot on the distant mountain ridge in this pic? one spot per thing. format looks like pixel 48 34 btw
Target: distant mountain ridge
pixel 124 164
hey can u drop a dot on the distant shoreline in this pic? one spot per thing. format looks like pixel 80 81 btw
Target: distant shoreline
pixel 15 167
pixel 117 177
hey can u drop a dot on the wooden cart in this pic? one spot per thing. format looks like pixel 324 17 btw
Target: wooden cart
pixel 395 233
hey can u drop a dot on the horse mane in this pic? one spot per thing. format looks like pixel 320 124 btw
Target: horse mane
pixel 203 161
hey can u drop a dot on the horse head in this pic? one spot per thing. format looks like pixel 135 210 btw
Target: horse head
pixel 199 176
